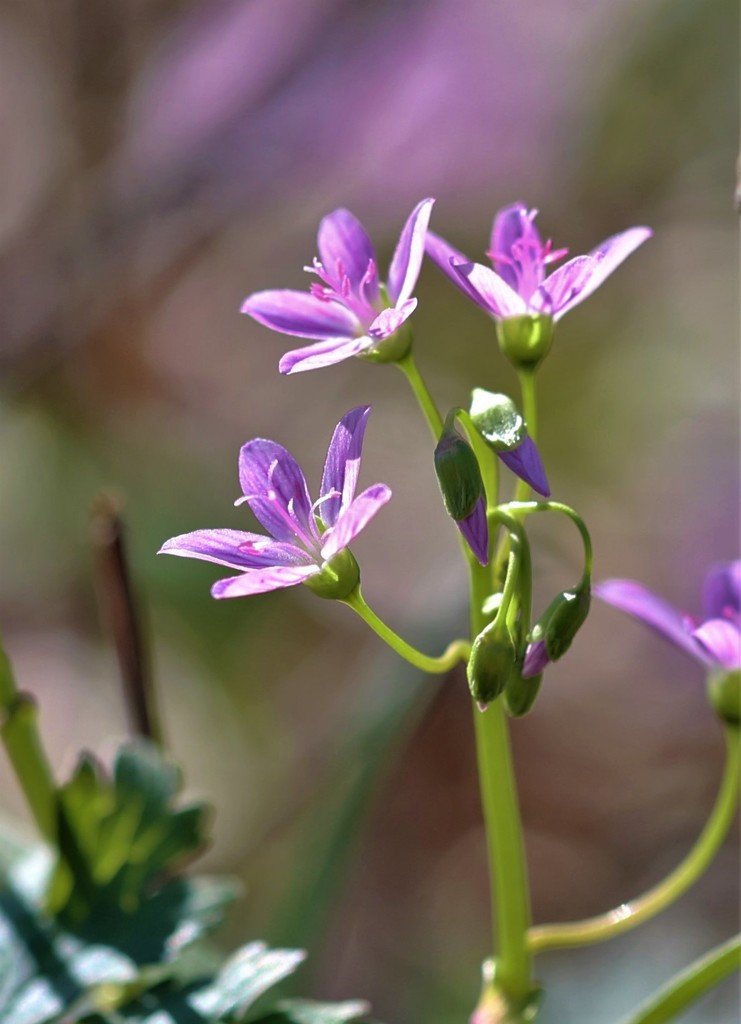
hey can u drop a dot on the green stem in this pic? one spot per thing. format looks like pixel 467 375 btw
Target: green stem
pixel 690 984
pixel 458 650
pixel 427 404
pixel 510 898
pixel 20 738
pixel 530 413
pixel 526 507
pixel 630 915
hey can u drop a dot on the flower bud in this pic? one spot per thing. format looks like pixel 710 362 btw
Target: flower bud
pixel 497 419
pixel 338 577
pixel 525 340
pixel 458 475
pixel 724 691
pixel 520 694
pixel 561 621
pixel 492 664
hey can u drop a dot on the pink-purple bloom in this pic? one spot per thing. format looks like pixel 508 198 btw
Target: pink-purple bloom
pixel 517 285
pixel 304 537
pixel 714 639
pixel 347 312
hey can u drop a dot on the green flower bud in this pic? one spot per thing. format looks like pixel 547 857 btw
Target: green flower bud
pixel 497 420
pixel 724 691
pixel 338 577
pixel 492 664
pixel 562 620
pixel 525 340
pixel 458 475
pixel 520 694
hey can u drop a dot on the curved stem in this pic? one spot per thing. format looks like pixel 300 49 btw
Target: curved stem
pixel 630 915
pixel 427 404
pixel 690 984
pixel 458 650
pixel 526 507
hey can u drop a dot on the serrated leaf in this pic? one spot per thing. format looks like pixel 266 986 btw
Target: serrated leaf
pixel 120 836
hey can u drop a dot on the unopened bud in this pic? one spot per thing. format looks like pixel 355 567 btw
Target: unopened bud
pixel 724 691
pixel 525 340
pixel 561 621
pixel 520 694
pixel 458 475
pixel 492 664
pixel 497 419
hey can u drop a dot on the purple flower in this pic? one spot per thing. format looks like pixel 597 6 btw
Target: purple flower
pixel 299 547
pixel 518 284
pixel 347 312
pixel 714 640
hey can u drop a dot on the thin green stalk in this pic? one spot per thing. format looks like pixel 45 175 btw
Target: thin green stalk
pixel 530 413
pixel 691 983
pixel 510 897
pixel 20 738
pixel 630 915
pixel 408 367
pixel 526 507
pixel 458 650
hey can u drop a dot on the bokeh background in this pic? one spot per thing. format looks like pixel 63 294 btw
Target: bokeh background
pixel 162 159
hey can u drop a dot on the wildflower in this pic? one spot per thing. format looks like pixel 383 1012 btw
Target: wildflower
pixel 554 632
pixel 714 640
pixel 308 543
pixel 348 312
pixel 518 286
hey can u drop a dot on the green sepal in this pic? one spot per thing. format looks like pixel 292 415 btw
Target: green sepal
pixel 392 349
pixel 497 419
pixel 562 620
pixel 724 693
pixel 492 663
pixel 338 577
pixel 525 340
pixel 520 694
pixel 458 475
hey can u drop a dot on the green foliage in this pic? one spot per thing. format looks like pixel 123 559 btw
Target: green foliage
pixel 110 934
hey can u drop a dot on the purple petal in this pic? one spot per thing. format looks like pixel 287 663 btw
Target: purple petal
pixel 390 320
pixel 445 256
pixel 517 249
pixel 410 249
pixel 490 291
pixel 276 491
pixel 564 284
pixel 722 641
pixel 234 548
pixel 475 530
pixel 536 660
pixel 324 353
pixel 259 581
pixel 344 248
pixel 604 259
pixel 526 463
pixel 354 518
pixel 721 591
pixel 342 464
pixel 301 314
pixel 658 614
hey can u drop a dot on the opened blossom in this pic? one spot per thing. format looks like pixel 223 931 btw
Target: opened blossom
pixel 517 283
pixel 347 311
pixel 713 639
pixel 306 540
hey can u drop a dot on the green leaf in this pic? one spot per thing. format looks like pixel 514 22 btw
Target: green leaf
pixel 119 837
pixel 304 1011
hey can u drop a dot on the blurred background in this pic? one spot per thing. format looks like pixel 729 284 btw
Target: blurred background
pixel 164 158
